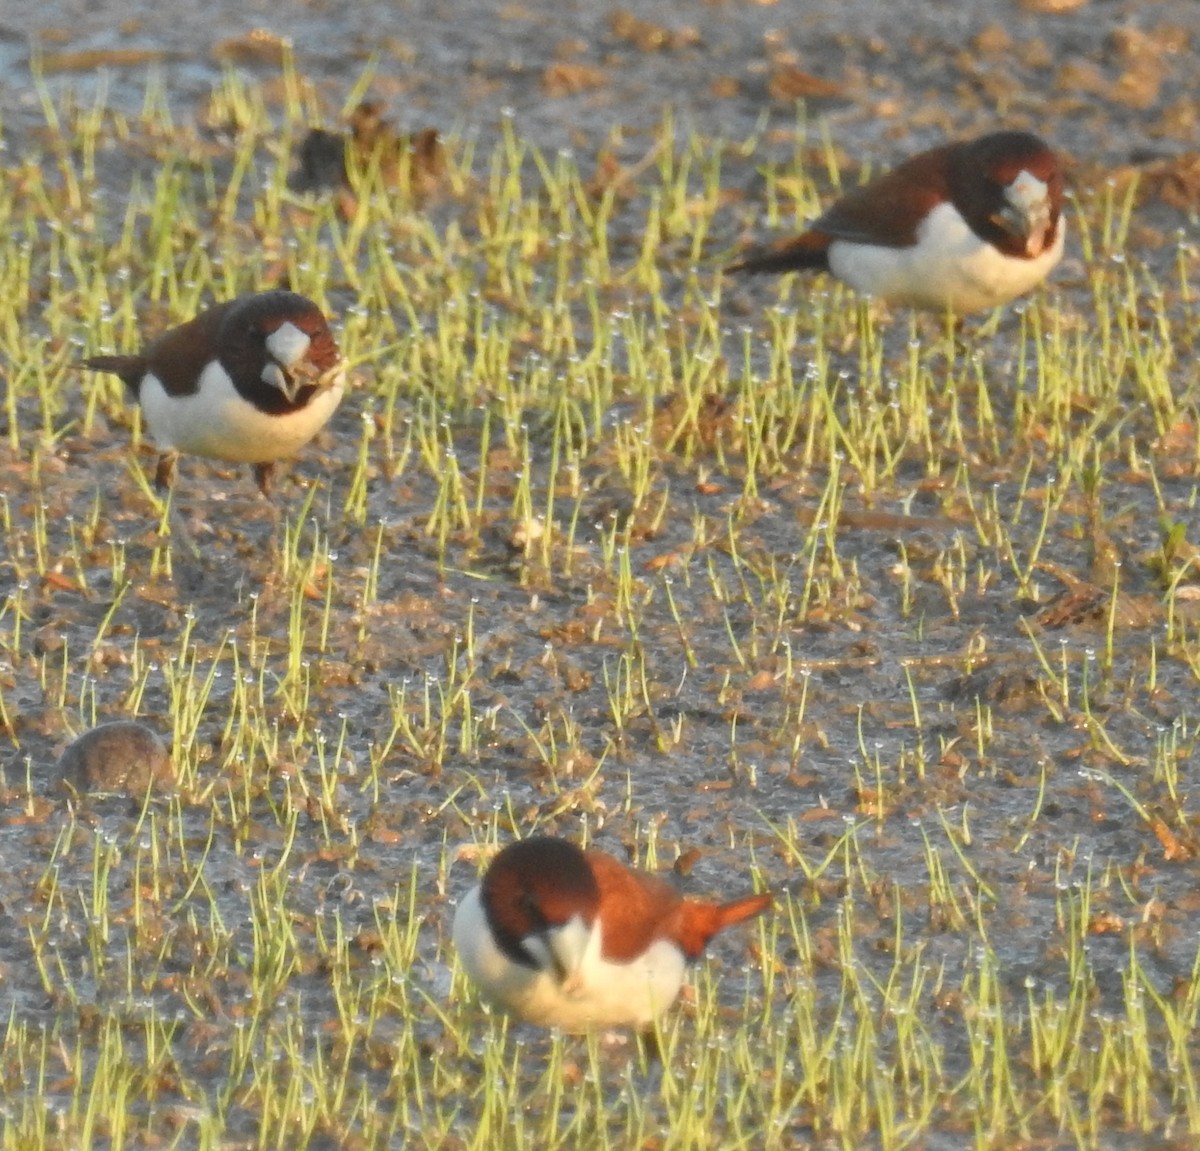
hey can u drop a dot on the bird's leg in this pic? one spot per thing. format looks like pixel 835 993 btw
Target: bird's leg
pixel 262 476
pixel 164 474
pixel 964 342
pixel 650 1046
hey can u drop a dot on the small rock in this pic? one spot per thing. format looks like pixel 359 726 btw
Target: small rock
pixel 121 756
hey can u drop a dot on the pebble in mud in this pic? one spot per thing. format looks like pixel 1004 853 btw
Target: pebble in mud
pixel 121 756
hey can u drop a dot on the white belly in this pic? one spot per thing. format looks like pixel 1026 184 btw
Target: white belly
pixel 216 421
pixel 948 267
pixel 599 994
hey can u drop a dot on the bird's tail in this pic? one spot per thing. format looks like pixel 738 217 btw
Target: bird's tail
pixel 129 368
pixel 736 910
pixel 809 251
pixel 701 920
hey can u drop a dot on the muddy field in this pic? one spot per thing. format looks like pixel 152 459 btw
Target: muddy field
pixel 744 578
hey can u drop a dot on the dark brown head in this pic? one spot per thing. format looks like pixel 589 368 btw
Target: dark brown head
pixel 1008 186
pixel 277 348
pixel 534 886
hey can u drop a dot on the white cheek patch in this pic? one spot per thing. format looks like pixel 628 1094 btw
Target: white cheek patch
pixel 288 344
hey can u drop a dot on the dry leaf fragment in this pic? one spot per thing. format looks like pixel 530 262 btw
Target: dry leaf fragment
pixel 788 82
pixel 1055 7
pixel 1175 850
pixel 257 47
pixel 563 79
pixel 93 59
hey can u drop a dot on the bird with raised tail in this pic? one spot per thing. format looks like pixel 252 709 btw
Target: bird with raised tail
pixel 962 227
pixel 574 939
pixel 250 380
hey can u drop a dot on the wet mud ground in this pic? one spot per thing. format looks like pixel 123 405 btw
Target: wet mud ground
pixel 908 697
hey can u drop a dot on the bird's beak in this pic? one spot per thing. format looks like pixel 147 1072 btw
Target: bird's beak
pixel 559 963
pixel 565 948
pixel 1026 212
pixel 289 385
pixel 303 374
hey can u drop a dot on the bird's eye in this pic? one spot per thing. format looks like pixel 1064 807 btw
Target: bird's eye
pixel 529 907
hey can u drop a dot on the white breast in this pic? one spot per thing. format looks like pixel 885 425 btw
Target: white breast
pixel 597 993
pixel 948 267
pixel 217 422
